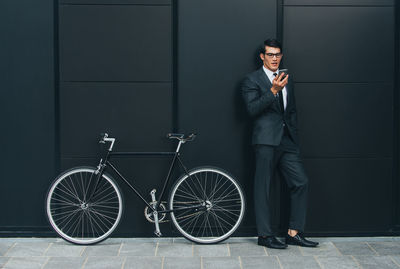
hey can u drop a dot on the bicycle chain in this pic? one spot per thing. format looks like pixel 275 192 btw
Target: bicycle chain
pixel 186 216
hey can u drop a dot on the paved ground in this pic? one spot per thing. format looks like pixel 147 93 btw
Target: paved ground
pixel 343 253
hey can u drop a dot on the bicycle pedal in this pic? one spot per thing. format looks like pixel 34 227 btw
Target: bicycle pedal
pixel 157 233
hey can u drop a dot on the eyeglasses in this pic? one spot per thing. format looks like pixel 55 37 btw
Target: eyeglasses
pixel 271 55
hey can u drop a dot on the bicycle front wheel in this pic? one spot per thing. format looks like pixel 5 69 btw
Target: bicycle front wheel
pixel 208 205
pixel 83 208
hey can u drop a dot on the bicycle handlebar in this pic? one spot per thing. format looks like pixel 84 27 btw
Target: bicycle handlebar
pixel 181 137
pixel 104 138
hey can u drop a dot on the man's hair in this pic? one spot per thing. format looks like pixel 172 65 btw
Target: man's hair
pixel 270 43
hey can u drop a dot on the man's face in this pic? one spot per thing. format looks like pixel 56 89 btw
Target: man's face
pixel 272 58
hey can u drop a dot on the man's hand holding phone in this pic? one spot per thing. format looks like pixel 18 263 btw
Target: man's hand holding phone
pixel 279 82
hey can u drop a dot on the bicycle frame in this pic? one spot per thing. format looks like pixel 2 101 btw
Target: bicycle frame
pixel 106 163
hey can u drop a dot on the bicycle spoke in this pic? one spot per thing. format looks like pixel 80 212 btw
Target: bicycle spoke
pixel 66 201
pixel 106 218
pixel 225 195
pixel 227 212
pixel 74 189
pixel 179 195
pixel 185 191
pixel 218 222
pixel 83 187
pixel 192 191
pixel 67 193
pixel 201 187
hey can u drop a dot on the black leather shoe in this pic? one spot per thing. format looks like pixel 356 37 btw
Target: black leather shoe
pixel 271 242
pixel 300 240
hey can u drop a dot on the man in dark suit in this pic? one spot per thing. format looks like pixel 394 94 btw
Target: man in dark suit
pixel 270 101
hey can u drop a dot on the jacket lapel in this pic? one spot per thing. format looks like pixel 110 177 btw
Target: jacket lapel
pixel 264 78
pixel 266 84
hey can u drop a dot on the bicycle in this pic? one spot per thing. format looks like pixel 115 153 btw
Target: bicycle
pixel 84 204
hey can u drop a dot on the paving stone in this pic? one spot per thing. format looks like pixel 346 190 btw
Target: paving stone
pixel 138 249
pixel 102 250
pixel 323 249
pixel 246 249
pixel 386 248
pixel 179 240
pixel 143 263
pixel 373 262
pixel 65 262
pixel 221 263
pixel 25 262
pixel 27 249
pixel 396 260
pixel 175 250
pixel 3 261
pixel 104 262
pixel 32 240
pixel 342 262
pixel 4 247
pixel 217 250
pixel 354 248
pixel 182 263
pixel 142 240
pixel 64 250
pixel 355 239
pixel 295 262
pixel 260 262
pixel 289 251
pixel 252 240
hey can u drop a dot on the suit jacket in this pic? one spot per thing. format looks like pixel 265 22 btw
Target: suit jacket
pixel 264 108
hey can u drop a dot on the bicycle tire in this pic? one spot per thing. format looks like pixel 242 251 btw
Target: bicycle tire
pixel 223 200
pixel 81 209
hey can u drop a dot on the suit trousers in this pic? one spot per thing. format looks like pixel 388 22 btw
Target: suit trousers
pixel 286 161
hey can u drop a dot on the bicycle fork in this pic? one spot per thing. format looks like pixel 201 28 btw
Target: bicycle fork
pixel 155 213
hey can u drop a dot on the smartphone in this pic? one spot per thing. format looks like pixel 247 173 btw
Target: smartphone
pixel 286 71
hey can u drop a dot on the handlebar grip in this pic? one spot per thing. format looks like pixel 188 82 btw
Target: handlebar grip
pixel 102 137
pixel 192 136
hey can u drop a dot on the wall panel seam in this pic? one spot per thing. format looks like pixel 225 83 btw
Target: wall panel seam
pixel 113 4
pixel 341 82
pixel 338 5
pixel 346 157
pixel 114 81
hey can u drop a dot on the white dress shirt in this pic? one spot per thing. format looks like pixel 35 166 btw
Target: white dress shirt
pixel 271 77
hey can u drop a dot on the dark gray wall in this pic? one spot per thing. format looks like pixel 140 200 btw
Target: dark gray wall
pixel 396 110
pixel 139 69
pixel 343 65
pixel 28 153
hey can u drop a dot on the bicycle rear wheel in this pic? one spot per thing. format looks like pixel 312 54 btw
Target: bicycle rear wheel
pixel 208 205
pixel 83 208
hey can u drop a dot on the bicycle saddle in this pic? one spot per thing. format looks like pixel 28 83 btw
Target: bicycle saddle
pixel 177 136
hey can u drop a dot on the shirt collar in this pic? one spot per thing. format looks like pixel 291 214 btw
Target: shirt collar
pixel 269 73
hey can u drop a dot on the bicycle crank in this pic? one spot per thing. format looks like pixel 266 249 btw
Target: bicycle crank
pixel 148 213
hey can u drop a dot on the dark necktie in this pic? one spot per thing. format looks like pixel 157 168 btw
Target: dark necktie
pixel 280 95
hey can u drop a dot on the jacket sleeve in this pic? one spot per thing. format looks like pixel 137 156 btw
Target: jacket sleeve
pixel 255 99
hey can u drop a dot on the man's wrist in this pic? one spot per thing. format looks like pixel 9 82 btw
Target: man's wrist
pixel 274 92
